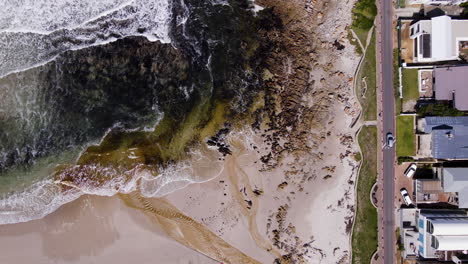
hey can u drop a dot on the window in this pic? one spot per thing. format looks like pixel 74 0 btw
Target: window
pixel 429 227
pixel 434 242
pixel 416 47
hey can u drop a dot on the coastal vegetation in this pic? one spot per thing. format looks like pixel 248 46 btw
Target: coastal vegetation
pixel 465 10
pixel 364 238
pixel 221 93
pixel 364 13
pixel 400 160
pixel 366 83
pixel 438 109
pixel 396 82
pixel 405 146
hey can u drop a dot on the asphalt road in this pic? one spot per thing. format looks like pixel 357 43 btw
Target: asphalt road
pixel 388 120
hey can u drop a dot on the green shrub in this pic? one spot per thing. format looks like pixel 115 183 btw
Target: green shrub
pixel 438 109
pixel 364 13
pixel 404 159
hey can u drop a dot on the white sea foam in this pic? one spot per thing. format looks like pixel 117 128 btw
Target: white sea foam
pixel 50 15
pixel 46 196
pixel 35 202
pixel 33 32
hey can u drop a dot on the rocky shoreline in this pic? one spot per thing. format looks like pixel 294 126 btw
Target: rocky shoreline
pixel 299 160
pixel 278 117
pixel 310 100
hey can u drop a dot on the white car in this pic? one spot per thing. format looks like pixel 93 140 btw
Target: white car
pixel 409 172
pixel 390 140
pixel 406 197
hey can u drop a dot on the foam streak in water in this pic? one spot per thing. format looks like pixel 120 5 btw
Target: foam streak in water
pixel 46 196
pixel 37 31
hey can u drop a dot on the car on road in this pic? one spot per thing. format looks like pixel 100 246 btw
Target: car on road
pixel 409 172
pixel 406 197
pixel 390 140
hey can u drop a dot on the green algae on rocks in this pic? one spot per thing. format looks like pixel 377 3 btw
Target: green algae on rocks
pixel 217 60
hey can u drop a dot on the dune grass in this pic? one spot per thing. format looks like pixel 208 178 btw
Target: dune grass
pixel 367 83
pixel 364 238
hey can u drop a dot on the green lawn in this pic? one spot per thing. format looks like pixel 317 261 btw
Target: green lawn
pixel 362 35
pixel 364 12
pixel 401 3
pixel 410 84
pixel 405 137
pixel 367 96
pixel 364 241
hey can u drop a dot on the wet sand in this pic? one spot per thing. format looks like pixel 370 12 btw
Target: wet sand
pixel 93 230
pixel 298 211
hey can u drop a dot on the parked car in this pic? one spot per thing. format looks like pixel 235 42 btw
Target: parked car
pixel 390 140
pixel 406 197
pixel 409 172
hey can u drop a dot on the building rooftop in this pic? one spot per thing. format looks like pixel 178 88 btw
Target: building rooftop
pixel 409 232
pixel 441 37
pixel 456 180
pixel 449 136
pixel 438 39
pixel 451 84
pixel 428 191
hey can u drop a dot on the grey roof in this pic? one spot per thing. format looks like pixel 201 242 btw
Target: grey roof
pixel 456 180
pixel 449 136
pixel 450 83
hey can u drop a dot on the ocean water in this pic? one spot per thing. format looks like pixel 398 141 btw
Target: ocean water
pixel 96 97
pixel 35 32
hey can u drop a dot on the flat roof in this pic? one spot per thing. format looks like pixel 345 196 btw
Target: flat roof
pixel 431 186
pixel 441 37
pixel 452 83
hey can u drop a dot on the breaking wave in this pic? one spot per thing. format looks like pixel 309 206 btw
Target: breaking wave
pixel 35 202
pixel 47 195
pixel 81 96
pixel 34 32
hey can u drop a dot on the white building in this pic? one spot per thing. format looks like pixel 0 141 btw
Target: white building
pixel 434 234
pixel 441 230
pixel 438 39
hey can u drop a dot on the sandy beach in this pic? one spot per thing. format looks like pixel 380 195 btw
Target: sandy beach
pixel 284 195
pixel 93 229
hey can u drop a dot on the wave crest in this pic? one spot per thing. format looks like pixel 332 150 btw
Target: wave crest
pixel 46 196
pixel 34 33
